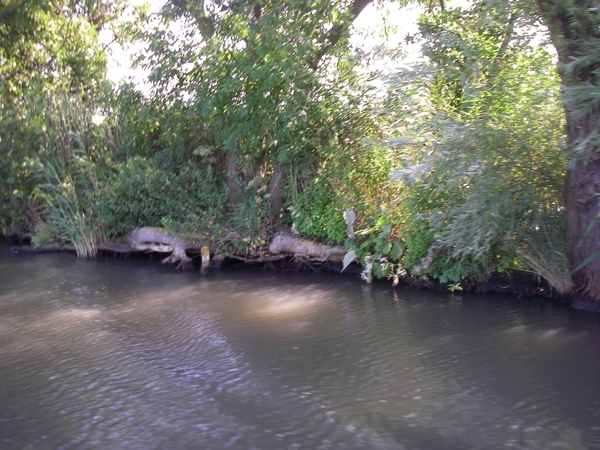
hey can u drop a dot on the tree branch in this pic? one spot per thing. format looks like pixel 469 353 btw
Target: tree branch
pixel 495 65
pixel 337 31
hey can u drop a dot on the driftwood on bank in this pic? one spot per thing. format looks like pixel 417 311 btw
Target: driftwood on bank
pixel 147 239
pixel 152 239
pixel 296 246
pixel 158 240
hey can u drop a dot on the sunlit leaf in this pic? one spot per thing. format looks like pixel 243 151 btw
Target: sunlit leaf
pixel 349 257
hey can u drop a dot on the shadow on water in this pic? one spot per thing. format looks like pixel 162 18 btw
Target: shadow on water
pixel 119 353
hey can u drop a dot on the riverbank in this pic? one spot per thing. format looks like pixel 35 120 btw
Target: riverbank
pixel 514 282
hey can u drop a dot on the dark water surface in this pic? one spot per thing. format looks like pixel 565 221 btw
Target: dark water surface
pixel 127 354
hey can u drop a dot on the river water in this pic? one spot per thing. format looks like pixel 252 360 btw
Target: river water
pixel 128 354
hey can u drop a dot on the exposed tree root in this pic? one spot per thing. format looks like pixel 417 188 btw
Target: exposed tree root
pixel 260 259
pixel 302 261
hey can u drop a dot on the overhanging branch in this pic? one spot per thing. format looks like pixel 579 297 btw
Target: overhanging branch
pixel 337 31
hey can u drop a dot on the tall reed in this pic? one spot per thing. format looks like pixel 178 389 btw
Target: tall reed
pixel 544 251
pixel 68 176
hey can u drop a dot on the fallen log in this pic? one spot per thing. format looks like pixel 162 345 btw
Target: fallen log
pixel 158 240
pixel 296 246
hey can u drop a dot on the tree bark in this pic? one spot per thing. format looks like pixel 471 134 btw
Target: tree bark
pixel 275 191
pixel 582 195
pixel 575 32
pixel 233 188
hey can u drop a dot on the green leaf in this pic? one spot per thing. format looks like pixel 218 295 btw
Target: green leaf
pixel 384 248
pixel 396 251
pixel 348 258
pixel 590 227
pixel 593 257
pixel 378 270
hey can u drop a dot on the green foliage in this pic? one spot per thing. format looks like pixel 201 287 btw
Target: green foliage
pixel 453 287
pixel 472 48
pixel 161 169
pixel 249 223
pixel 357 177
pixel 483 173
pixel 580 76
pixel 251 76
pixel 377 251
pixel 44 234
pixel 52 44
pixel 318 213
pixel 141 193
pixel 50 56
pixel 475 135
pixel 418 237
pixel 254 98
pixel 75 226
pixel 66 169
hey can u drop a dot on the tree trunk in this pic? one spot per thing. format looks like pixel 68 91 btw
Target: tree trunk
pixel 275 191
pixel 233 188
pixel 582 201
pixel 575 32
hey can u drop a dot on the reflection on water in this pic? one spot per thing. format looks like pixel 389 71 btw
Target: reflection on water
pixel 132 355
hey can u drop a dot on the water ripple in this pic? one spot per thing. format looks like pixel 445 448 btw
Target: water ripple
pixel 147 359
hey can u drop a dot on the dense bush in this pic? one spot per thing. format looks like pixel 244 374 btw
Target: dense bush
pixel 318 213
pixel 483 158
pixel 139 193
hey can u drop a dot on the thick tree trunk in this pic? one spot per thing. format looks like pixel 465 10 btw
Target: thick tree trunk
pixel 575 32
pixel 583 206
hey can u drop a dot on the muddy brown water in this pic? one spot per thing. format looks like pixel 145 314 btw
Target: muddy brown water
pixel 127 354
